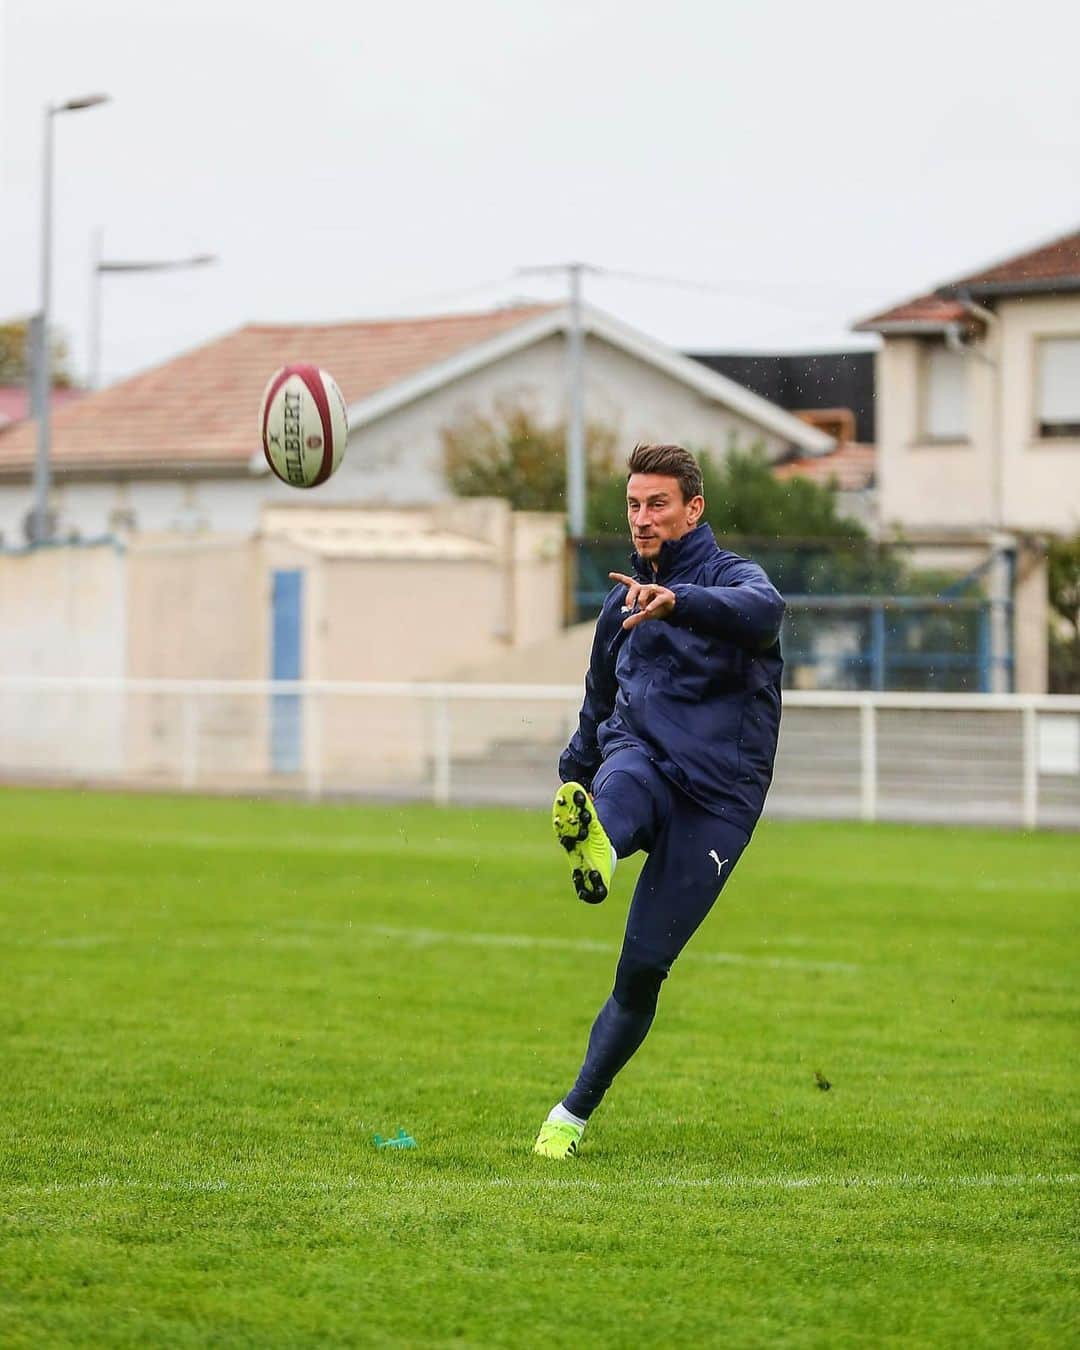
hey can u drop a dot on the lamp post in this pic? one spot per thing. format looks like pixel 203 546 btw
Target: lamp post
pixel 39 525
pixel 99 267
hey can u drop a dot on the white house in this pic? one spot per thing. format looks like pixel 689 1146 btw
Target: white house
pixel 978 399
pixel 176 448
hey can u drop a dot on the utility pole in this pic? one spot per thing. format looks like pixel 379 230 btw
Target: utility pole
pixel 576 501
pixel 575 432
pixel 93 360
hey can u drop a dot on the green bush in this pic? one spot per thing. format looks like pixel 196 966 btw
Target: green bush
pixel 514 456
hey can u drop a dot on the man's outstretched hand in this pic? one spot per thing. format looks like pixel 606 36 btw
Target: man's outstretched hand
pixel 645 600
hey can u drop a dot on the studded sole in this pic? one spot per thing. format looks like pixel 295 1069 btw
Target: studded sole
pixel 572 820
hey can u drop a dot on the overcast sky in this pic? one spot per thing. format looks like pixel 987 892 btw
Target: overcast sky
pixel 349 159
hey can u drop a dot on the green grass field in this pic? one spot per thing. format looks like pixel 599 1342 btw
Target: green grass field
pixel 209 1007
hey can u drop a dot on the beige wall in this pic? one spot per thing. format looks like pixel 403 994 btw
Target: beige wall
pixel 923 485
pixel 194 610
pixel 539 563
pixel 392 620
pixel 405 620
pixel 63 611
pixel 201 609
pixel 1041 478
pixel 1031 617
pixel 950 486
pixel 195 613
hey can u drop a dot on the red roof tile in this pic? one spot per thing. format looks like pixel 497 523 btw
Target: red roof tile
pixel 850 467
pixel 202 408
pixel 1050 267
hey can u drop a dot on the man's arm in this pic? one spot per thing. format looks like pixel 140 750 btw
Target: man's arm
pixel 748 610
pixel 581 758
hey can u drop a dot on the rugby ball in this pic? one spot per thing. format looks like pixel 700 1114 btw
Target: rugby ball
pixel 304 425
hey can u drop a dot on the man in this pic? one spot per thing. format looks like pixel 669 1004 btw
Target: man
pixel 673 753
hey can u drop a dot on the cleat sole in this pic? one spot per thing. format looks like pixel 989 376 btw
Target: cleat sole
pixel 580 832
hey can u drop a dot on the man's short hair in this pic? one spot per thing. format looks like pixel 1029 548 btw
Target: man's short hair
pixel 672 461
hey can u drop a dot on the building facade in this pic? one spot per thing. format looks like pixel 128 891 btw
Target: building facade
pixel 978 393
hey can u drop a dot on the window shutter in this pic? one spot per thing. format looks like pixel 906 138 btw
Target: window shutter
pixel 1059 385
pixel 945 394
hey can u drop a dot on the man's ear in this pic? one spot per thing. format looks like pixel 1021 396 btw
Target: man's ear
pixel 695 509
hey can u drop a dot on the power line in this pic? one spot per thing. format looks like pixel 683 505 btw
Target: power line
pixel 458 293
pixel 729 287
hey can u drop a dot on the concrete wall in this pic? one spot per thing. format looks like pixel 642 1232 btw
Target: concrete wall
pixel 926 485
pixel 199 608
pixel 398 459
pixel 196 609
pixel 63 612
pixel 387 620
pixel 1031 617
pixel 923 484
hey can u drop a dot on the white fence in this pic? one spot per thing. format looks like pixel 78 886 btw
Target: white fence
pixel 986 759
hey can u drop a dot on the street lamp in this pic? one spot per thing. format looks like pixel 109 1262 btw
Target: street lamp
pixel 39 524
pixel 99 267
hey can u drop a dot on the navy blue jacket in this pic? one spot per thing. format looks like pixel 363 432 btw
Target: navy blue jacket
pixel 699 691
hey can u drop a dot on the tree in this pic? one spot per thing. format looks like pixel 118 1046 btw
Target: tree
pixel 15 357
pixel 513 455
pixel 1063 569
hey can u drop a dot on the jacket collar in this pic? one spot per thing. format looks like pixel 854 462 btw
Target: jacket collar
pixel 678 556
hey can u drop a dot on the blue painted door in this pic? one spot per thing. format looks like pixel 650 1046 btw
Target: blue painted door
pixel 286 663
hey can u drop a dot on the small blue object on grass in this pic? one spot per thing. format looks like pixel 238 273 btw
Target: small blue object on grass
pixel 399 1140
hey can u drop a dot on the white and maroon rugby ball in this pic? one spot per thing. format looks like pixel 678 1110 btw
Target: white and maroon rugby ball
pixel 304 425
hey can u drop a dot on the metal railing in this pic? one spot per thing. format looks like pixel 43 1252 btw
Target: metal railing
pixel 947 758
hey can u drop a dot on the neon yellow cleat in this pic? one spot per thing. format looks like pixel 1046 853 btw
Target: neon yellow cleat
pixel 558 1139
pixel 578 830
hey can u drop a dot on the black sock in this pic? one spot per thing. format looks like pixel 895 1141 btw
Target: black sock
pixel 616 1034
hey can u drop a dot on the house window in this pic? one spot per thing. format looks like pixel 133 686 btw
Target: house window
pixel 1058 387
pixel 945 413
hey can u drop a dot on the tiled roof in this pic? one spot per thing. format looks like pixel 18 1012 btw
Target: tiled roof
pixel 202 408
pixel 850 466
pixel 924 309
pixel 1050 267
pixel 1056 261
pixel 15 401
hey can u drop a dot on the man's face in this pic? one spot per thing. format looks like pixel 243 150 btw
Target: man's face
pixel 656 512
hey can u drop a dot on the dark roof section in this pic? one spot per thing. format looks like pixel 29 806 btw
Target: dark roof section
pixel 1052 268
pixel 799 383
